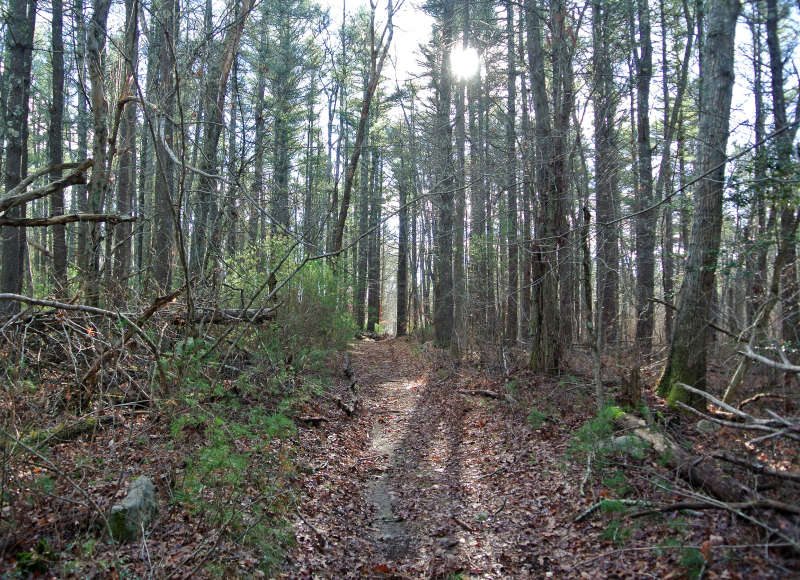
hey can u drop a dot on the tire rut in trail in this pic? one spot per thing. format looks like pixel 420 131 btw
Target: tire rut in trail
pixel 393 389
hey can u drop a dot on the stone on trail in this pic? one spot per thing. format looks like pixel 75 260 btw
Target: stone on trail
pixel 135 512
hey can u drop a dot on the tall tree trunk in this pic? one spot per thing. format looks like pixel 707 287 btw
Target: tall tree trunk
pixel 21 20
pixel 511 180
pixel 686 362
pixel 671 119
pixel 362 250
pixel 56 146
pixel 402 249
pixel 528 199
pixel 163 231
pixel 551 135
pixel 606 174
pixel 459 219
pixel 99 181
pixel 757 256
pixel 787 244
pixel 260 138
pixel 126 179
pixel 443 279
pixel 646 220
pixel 214 93
pixel 378 52
pixel 80 199
pixel 374 246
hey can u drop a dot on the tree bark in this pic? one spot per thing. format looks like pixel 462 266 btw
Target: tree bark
pixel 126 179
pixel 686 362
pixel 21 21
pixel 511 180
pixel 214 93
pixel 606 173
pixel 790 322
pixel 646 218
pixel 56 147
pixel 443 280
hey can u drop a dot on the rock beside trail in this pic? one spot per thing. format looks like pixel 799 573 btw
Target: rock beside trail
pixel 129 517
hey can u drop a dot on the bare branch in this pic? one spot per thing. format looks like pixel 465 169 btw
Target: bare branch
pixel 58 220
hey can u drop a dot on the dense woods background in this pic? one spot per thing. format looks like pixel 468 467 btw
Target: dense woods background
pixel 611 176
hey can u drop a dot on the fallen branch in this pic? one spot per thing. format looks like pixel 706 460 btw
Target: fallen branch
pixel 224 315
pixel 312 420
pixel 758 467
pixel 58 220
pixel 704 505
pixel 322 541
pixel 597 505
pixel 481 393
pixel 89 377
pixel 65 431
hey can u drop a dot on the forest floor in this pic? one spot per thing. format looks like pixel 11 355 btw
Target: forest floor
pixel 444 469
pixel 436 477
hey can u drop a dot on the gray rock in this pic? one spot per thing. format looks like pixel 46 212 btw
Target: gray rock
pixel 135 512
pixel 707 427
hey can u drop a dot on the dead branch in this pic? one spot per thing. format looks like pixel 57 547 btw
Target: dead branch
pixel 59 305
pixel 224 315
pixel 758 467
pixel 703 505
pixel 481 393
pixel 58 220
pixel 597 505
pixel 127 336
pixel 781 366
pixel 19 196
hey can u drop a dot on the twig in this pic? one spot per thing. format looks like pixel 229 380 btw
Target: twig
pixel 323 542
pixel 713 505
pixel 603 502
pixel 758 467
pixel 481 393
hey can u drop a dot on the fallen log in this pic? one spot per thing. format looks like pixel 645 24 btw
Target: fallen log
pixel 64 432
pixel 691 468
pixel 702 475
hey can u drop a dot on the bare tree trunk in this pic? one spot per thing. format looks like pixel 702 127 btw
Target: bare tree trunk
pixel 443 279
pixel 374 245
pixel 686 362
pixel 163 227
pixel 646 220
pixel 790 304
pixel 511 180
pixel 378 52
pixel 126 179
pixel 606 174
pixel 214 93
pixel 21 21
pixel 402 249
pixel 56 146
pixel 80 193
pixel 551 135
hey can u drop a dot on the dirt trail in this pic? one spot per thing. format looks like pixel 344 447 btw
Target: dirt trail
pixel 419 483
pixel 424 481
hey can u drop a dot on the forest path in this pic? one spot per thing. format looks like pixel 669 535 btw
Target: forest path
pixel 424 481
